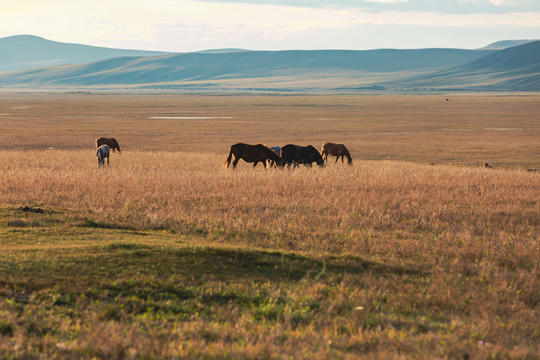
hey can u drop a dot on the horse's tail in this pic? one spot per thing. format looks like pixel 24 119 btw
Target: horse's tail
pixel 323 153
pixel 97 144
pixel 227 161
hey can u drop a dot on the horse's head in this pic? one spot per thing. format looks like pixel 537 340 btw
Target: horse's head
pixel 280 163
pixel 316 156
pixel 278 160
pixel 115 144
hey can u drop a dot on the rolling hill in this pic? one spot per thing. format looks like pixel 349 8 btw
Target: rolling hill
pixel 505 44
pixel 513 68
pixel 27 51
pixel 289 66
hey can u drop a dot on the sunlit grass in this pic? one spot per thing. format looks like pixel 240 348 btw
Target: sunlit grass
pixel 165 254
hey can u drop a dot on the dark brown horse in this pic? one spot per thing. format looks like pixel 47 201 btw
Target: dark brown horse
pixel 251 154
pixel 300 154
pixel 337 150
pixel 110 142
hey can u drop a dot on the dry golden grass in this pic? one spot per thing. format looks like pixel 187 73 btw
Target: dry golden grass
pixel 355 210
pixel 166 254
pixel 384 258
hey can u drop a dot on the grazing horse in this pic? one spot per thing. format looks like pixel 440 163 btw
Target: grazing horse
pixel 252 154
pixel 111 142
pixel 102 153
pixel 277 150
pixel 300 154
pixel 270 162
pixel 337 150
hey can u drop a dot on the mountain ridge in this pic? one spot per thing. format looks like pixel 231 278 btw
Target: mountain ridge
pixel 505 44
pixel 252 64
pixel 513 68
pixel 21 52
pixel 516 68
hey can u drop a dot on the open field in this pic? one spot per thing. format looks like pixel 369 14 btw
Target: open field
pixel 466 129
pixel 165 254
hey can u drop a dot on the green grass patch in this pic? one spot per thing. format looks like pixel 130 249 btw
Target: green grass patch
pixel 68 290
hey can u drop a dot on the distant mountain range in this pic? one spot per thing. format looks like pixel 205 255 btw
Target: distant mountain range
pixel 512 69
pixel 45 64
pixel 505 44
pixel 26 51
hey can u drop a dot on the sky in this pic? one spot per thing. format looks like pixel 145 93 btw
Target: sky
pixel 194 25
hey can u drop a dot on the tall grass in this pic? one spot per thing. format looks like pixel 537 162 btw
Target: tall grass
pixel 378 208
pixel 410 260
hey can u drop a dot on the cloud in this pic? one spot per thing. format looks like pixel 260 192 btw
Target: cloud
pixel 188 25
pixel 515 3
pixel 387 1
pixel 503 2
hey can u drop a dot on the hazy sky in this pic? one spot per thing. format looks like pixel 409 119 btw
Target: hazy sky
pixel 180 25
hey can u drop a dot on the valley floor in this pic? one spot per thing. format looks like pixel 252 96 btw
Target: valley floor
pixel 416 251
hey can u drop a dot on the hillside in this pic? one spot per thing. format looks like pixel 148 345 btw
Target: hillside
pixel 259 66
pixel 505 44
pixel 26 51
pixel 515 68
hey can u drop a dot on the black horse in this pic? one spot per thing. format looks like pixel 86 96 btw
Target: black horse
pixel 300 154
pixel 252 154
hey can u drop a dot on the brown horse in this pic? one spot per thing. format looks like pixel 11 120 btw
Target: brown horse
pixel 337 150
pixel 252 154
pixel 110 142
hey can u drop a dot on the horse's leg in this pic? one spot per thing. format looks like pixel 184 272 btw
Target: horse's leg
pixel 337 158
pixel 235 161
pixel 107 161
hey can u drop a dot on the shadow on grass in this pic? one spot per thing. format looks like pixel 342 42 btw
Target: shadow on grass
pixel 193 264
pixel 121 280
pixel 95 224
pixel 268 265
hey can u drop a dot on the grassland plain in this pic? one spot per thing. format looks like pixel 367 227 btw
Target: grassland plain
pixel 166 255
pixel 468 129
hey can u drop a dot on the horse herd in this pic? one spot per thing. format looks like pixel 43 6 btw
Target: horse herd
pixel 286 155
pixel 270 157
